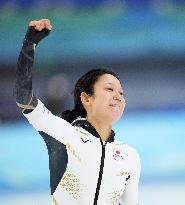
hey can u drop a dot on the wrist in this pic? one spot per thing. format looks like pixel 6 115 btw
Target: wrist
pixel 28 43
pixel 35 36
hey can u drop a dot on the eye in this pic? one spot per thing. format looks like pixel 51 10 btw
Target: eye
pixel 122 92
pixel 111 89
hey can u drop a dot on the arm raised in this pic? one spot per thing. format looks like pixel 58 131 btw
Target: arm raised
pixel 23 92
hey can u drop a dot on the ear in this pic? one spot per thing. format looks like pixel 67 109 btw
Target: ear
pixel 85 98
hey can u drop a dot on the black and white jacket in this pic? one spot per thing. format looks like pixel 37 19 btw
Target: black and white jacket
pixel 84 169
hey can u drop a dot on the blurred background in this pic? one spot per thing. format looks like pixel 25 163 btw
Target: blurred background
pixel 143 41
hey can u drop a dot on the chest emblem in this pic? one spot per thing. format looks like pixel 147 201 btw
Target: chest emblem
pixel 118 154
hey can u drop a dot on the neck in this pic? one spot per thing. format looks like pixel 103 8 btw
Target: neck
pixel 104 130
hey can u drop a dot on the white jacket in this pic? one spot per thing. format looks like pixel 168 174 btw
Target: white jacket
pixel 96 172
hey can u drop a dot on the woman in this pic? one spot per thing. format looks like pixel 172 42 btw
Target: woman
pixel 87 165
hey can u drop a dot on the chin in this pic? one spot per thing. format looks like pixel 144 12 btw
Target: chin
pixel 113 118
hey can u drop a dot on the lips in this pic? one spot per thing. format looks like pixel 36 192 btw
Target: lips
pixel 114 105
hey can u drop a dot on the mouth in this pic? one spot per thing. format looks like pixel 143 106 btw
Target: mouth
pixel 114 105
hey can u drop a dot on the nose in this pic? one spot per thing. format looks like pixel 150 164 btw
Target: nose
pixel 117 96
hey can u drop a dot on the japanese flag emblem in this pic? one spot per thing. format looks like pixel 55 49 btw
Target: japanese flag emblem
pixel 118 154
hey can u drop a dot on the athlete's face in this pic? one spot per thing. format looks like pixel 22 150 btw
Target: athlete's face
pixel 107 102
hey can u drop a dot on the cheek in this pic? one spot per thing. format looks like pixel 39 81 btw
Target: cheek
pixel 101 102
pixel 105 100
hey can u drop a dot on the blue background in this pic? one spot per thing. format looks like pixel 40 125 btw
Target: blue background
pixel 143 41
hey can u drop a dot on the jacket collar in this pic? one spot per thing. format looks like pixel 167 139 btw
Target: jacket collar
pixel 82 122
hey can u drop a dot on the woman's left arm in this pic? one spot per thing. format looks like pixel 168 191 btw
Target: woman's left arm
pixel 130 194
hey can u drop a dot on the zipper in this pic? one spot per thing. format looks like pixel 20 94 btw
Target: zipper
pixel 100 173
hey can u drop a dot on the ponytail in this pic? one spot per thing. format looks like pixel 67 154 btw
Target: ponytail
pixel 71 115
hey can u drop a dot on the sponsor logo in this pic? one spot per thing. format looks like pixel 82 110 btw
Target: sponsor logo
pixel 84 141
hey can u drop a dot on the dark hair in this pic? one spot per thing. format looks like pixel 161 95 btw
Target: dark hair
pixel 84 84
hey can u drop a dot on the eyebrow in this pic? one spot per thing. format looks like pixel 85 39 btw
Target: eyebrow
pixel 113 85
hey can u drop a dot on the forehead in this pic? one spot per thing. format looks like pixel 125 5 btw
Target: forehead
pixel 108 79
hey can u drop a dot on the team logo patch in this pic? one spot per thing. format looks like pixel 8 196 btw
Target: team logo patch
pixel 118 154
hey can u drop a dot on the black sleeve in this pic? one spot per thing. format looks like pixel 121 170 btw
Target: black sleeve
pixel 23 92
pixel 58 160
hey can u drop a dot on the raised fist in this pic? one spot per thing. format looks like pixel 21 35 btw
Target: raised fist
pixel 38 30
